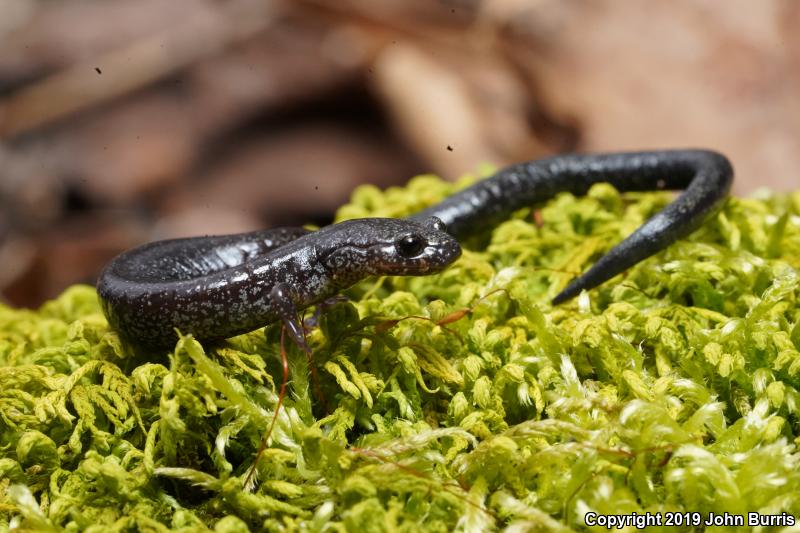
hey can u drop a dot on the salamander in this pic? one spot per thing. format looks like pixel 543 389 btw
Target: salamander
pixel 218 287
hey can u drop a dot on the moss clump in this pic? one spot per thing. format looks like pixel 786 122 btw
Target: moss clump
pixel 671 388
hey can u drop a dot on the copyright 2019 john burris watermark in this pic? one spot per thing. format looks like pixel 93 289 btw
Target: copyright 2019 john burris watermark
pixel 648 519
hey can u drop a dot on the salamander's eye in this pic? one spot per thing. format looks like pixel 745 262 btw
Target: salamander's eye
pixel 410 245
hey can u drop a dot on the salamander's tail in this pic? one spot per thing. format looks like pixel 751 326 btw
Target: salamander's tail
pixel 710 176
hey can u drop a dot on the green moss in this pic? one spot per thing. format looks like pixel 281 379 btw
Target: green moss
pixel 673 387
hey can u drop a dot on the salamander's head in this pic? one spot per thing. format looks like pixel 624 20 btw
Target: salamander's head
pixel 388 247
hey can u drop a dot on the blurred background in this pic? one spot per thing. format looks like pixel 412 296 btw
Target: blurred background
pixel 127 121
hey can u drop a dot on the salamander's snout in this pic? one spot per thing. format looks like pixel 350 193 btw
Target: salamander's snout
pixel 361 247
pixel 417 249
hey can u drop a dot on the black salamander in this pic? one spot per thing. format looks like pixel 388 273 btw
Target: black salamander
pixel 218 287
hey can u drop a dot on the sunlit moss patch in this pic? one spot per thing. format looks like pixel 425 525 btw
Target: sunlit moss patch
pixel 673 387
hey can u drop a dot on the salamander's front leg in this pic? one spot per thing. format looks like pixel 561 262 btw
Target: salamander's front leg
pixel 324 305
pixel 281 299
pixel 283 303
pixel 280 296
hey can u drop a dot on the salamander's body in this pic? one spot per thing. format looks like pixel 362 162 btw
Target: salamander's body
pixel 217 287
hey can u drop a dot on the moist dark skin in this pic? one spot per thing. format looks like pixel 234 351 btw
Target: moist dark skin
pixel 218 287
